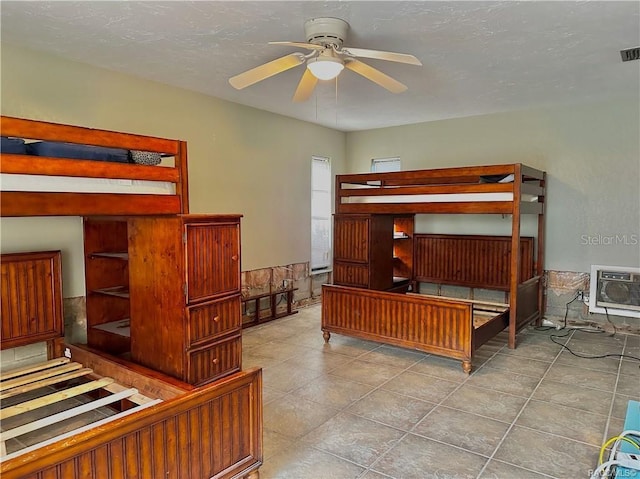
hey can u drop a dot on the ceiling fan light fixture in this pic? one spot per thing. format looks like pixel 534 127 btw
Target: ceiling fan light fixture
pixel 325 68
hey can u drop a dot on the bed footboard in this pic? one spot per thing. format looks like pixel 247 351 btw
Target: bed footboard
pixel 437 326
pixel 213 431
pixel 528 302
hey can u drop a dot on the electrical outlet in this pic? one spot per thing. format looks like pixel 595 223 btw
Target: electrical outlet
pixel 580 295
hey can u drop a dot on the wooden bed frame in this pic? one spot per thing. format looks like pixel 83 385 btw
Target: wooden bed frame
pixel 212 431
pixel 195 432
pixel 446 326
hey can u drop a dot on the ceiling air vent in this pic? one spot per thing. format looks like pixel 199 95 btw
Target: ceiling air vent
pixel 630 54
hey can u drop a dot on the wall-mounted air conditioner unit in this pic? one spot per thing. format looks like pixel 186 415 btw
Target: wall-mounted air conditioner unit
pixel 615 290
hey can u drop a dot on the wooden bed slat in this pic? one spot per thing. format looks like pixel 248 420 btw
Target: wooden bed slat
pixel 69 413
pixel 473 207
pixel 29 165
pixel 81 430
pixel 432 190
pixel 22 203
pixel 33 368
pixel 38 375
pixel 52 398
pixel 45 382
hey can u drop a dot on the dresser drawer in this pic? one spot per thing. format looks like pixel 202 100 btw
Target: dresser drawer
pixel 351 274
pixel 213 320
pixel 210 363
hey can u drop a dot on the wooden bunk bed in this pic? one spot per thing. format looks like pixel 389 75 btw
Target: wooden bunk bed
pixel 85 203
pixel 208 422
pixel 378 257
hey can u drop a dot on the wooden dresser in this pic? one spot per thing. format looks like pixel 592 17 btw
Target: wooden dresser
pixel 166 290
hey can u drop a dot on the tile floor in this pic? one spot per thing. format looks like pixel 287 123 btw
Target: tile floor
pixel 360 409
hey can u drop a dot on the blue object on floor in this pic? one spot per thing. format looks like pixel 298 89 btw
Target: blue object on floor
pixel 631 422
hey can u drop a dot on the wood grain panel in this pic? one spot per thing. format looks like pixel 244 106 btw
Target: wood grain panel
pixel 211 320
pixel 31 301
pixel 428 324
pixel 169 440
pixel 351 274
pixel 213 260
pixel 20 203
pixel 215 361
pixel 469 260
pixel 351 238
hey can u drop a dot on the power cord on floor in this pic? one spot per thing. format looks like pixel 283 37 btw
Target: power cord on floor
pixel 553 337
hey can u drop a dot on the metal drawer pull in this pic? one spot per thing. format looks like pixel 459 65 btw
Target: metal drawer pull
pixel 216 318
pixel 214 360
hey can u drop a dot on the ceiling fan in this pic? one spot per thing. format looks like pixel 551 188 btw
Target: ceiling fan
pixel 328 57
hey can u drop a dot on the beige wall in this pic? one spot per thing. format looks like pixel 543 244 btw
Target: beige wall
pixel 241 160
pixel 591 154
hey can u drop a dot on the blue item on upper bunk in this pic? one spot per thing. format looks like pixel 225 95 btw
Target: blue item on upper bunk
pixel 15 146
pixel 75 151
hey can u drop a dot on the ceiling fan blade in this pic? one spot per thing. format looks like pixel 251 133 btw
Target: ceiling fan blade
pixel 380 55
pixel 305 87
pixel 266 70
pixel 308 46
pixel 376 76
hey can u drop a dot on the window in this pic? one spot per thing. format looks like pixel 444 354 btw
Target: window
pixel 320 213
pixel 382 165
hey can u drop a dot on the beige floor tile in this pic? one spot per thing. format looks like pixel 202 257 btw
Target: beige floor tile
pixel 609 365
pixel 547 454
pixel 485 402
pixel 373 475
pixel 416 457
pixel 332 391
pixel 500 470
pixel 270 394
pixel 631 369
pixel 439 367
pixel 392 356
pixel 504 381
pixel 468 431
pixel 629 386
pixel 319 360
pixel 304 461
pixel 515 364
pixel 577 397
pixel 294 417
pixel 275 443
pixel 564 421
pixel 384 390
pixel 392 409
pixel 420 386
pixel 367 373
pixel 589 378
pixel 540 351
pixel 360 440
pixel 349 346
pixel 282 377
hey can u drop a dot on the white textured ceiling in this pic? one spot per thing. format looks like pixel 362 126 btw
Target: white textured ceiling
pixel 479 57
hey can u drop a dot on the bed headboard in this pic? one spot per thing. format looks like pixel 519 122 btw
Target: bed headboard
pixel 19 202
pixel 31 288
pixel 470 260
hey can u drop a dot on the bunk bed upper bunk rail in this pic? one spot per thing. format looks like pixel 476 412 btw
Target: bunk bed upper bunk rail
pixel 476 189
pixel 45 186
